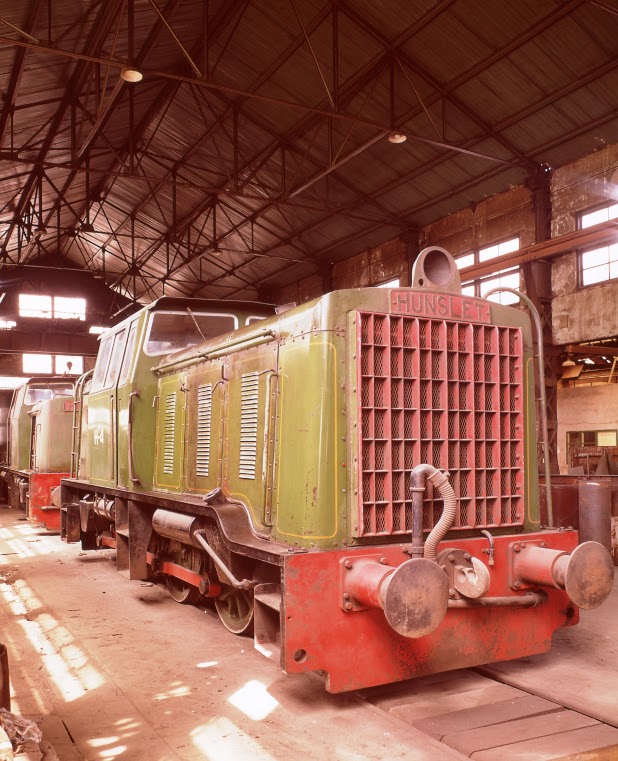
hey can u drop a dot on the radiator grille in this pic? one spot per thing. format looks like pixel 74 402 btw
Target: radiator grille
pixel 249 390
pixel 445 393
pixel 168 434
pixel 204 419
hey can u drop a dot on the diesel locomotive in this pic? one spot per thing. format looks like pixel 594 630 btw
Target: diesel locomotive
pixel 353 480
pixel 39 447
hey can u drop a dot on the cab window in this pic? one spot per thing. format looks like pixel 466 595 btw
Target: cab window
pixel 114 364
pixel 128 355
pixel 40 392
pixel 100 369
pixel 172 331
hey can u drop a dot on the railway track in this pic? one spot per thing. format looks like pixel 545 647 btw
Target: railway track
pixel 486 719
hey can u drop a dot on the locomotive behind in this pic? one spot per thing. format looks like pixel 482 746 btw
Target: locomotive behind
pixel 39 447
pixel 353 480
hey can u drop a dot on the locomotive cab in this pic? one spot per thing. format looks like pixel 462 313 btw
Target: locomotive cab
pixel 123 386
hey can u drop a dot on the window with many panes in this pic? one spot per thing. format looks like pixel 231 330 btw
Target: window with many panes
pixel 59 364
pixel 60 307
pixel 508 278
pixel 600 263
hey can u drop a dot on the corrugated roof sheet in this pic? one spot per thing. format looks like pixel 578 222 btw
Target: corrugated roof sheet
pixel 293 187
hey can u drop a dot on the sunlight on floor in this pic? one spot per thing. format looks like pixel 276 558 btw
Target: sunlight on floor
pixel 25 540
pixel 66 663
pixel 254 700
pixel 67 675
pixel 177 690
pixel 72 676
pixel 222 740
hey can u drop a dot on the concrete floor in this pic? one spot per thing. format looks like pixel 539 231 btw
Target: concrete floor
pixel 581 669
pixel 114 669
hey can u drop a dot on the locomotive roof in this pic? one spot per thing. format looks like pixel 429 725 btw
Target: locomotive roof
pixel 46 379
pixel 176 302
pixel 180 303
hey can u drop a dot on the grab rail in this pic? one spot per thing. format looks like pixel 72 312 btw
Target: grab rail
pixel 78 408
pixel 134 479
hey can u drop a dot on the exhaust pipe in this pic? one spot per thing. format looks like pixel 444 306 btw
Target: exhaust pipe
pixel 176 526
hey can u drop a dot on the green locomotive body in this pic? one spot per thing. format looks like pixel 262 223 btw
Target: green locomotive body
pixel 293 469
pixel 39 446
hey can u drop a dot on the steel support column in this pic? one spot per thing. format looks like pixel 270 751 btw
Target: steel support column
pixel 537 278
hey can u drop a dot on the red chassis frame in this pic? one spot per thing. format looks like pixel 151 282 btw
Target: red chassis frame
pixel 40 508
pixel 358 649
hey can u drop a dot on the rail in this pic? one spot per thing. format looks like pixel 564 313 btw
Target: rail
pixel 536 318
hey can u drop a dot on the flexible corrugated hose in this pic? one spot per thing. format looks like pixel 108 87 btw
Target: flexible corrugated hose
pixel 421 474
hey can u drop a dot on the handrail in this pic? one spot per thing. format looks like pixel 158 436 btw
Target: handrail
pixel 268 461
pixel 241 342
pixel 536 318
pixel 76 439
pixel 134 479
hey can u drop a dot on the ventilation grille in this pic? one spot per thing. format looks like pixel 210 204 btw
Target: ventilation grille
pixel 168 434
pixel 249 390
pixel 445 393
pixel 204 418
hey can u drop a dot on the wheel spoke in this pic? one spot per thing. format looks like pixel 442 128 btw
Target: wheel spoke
pixel 235 609
pixel 182 592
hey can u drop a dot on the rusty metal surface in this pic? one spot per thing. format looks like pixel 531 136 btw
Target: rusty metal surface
pixel 447 393
pixel 40 504
pixel 595 513
pixel 318 635
pixel 566 497
pixel 466 575
pixel 590 575
pixel 416 598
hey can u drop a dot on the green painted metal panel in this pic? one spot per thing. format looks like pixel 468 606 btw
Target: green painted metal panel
pixel 250 423
pixel 137 378
pixel 206 404
pixel 170 436
pixel 310 479
pixel 101 438
pixel 20 417
pixel 19 431
pixel 53 430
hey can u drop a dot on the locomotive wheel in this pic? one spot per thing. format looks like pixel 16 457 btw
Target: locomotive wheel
pixel 185 594
pixel 235 609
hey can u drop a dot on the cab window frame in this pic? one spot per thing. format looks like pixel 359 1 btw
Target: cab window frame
pixel 183 313
pixel 129 352
pixel 115 361
pixel 98 379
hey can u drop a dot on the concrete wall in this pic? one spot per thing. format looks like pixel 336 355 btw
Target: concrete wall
pixel 585 408
pixel 497 218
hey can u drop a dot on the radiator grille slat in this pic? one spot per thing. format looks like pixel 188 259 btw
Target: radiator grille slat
pixel 169 426
pixel 204 421
pixel 447 393
pixel 249 392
